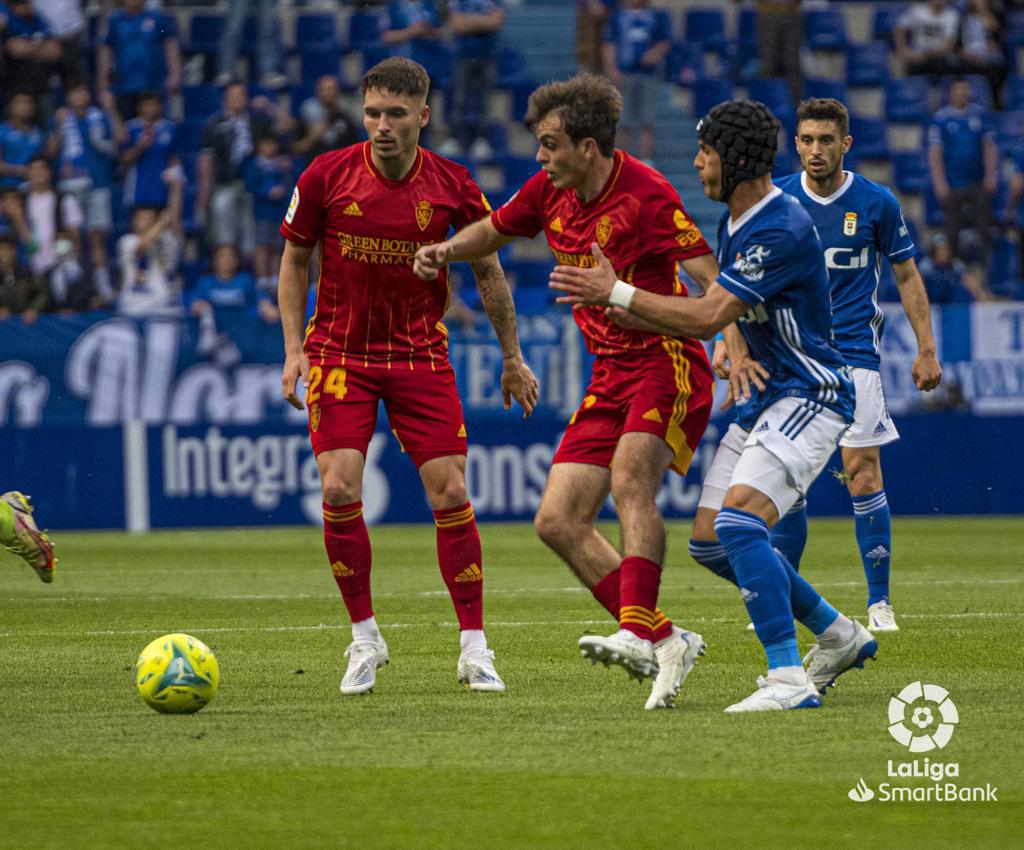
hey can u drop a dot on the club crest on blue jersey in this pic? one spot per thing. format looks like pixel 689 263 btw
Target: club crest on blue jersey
pixel 850 224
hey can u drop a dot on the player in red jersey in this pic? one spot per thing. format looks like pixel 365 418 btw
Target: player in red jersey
pixel 377 335
pixel 649 398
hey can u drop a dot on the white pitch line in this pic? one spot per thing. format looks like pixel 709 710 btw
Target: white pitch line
pixel 201 630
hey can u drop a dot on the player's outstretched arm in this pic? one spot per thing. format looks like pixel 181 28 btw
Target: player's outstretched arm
pixel 292 291
pixel 471 243
pixel 926 371
pixel 701 318
pixel 517 381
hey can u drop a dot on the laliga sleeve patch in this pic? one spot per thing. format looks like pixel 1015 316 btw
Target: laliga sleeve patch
pixel 293 206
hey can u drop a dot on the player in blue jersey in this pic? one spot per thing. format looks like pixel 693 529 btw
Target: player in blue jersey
pixel 859 223
pixel 774 285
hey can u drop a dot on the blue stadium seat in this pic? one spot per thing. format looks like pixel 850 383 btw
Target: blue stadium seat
pixel 1014 92
pixel 190 135
pixel 746 32
pixel 708 93
pixel 318 63
pixel 786 163
pixel 825 88
pixel 1004 268
pixel 774 93
pixel 315 30
pixel 436 57
pixel 910 172
pixel 867 64
pixel 205 33
pixel 516 170
pixel 684 64
pixel 706 27
pixel 300 92
pixel 906 100
pixel 869 137
pixel 512 69
pixel 824 29
pixel 531 274
pixel 886 16
pixel 534 301
pixel 1010 132
pixel 200 101
pixel 364 30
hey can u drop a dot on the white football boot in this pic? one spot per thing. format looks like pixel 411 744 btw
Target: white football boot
pixel 881 618
pixel 677 656
pixel 364 657
pixel 826 663
pixel 476 671
pixel 775 695
pixel 624 648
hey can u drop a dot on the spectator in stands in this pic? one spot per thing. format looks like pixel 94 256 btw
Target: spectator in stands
pixel 86 145
pixel 981 45
pixel 1013 215
pixel 70 288
pixel 140 54
pixel 149 150
pixel 409 22
pixel 48 215
pixel 228 140
pixel 21 292
pixel 226 291
pixel 67 23
pixel 269 179
pixel 636 42
pixel 780 40
pixel 148 259
pixel 946 278
pixel 477 25
pixel 14 222
pixel 31 54
pixel 964 161
pixel 591 19
pixel 20 140
pixel 268 49
pixel 324 122
pixel 925 37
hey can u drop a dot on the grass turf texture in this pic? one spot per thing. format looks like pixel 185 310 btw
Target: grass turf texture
pixel 567 758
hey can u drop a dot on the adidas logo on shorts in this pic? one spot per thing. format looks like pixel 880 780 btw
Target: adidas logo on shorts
pixel 652 415
pixel 764 426
pixel 879 429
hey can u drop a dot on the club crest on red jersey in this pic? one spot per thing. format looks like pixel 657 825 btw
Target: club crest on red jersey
pixel 604 230
pixel 424 212
pixel 314 417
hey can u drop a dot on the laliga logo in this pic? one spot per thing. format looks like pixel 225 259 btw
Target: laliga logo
pixel 925 732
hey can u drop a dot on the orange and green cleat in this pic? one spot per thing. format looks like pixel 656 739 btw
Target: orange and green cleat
pixel 19 534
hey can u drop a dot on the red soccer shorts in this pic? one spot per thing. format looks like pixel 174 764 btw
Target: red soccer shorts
pixel 423 408
pixel 665 391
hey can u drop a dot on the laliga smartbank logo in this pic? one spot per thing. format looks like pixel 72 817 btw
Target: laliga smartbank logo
pixel 922 718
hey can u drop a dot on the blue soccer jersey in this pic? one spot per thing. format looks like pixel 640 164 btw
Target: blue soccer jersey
pixel 144 183
pixel 858 224
pixel 17 147
pixel 771 258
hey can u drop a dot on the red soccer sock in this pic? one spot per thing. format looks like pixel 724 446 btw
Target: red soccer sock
pixel 348 550
pixel 606 591
pixel 460 559
pixel 638 594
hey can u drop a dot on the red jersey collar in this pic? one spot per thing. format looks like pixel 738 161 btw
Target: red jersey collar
pixel 376 172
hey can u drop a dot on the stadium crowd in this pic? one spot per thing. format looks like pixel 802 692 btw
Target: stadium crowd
pixel 148 154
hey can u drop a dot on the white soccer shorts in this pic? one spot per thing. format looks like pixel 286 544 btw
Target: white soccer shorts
pixel 872 425
pixel 719 474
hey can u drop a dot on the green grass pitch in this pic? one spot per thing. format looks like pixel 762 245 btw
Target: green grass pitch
pixel 566 758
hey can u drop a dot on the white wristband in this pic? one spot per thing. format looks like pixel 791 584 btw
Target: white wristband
pixel 622 293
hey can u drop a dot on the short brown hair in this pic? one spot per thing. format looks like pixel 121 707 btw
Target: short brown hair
pixel 824 109
pixel 588 104
pixel 397 75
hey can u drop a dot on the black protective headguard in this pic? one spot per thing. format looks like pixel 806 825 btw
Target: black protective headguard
pixel 746 136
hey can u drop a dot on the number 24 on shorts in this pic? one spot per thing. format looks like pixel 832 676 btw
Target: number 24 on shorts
pixel 335 383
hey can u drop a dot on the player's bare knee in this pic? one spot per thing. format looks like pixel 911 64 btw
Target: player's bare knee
pixel 340 491
pixel 632 491
pixel 450 493
pixel 555 528
pixel 863 477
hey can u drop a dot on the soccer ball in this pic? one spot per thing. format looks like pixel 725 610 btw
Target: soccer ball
pixel 177 674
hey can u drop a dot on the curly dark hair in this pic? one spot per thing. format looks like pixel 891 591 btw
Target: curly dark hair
pixel 397 75
pixel 588 104
pixel 824 109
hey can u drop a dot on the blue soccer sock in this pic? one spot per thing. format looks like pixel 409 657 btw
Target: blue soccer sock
pixel 710 554
pixel 789 534
pixel 873 526
pixel 763 581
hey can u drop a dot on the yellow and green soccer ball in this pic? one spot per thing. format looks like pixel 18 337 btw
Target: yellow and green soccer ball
pixel 177 674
